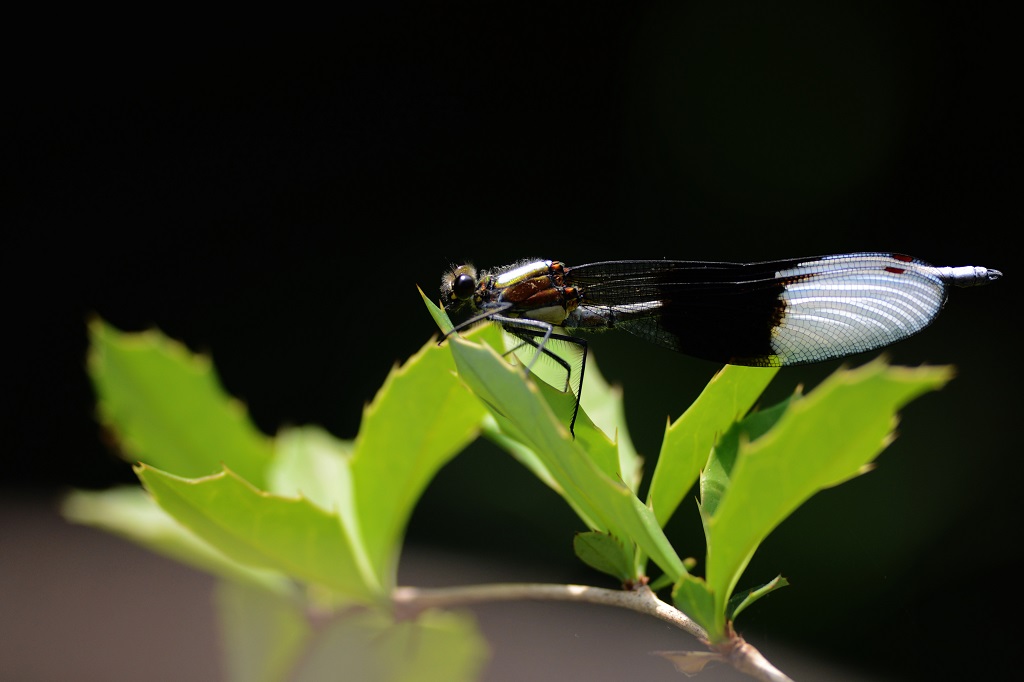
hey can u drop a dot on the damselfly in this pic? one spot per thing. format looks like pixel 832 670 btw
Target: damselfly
pixel 768 314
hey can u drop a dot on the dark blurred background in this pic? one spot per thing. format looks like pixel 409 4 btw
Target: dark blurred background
pixel 272 194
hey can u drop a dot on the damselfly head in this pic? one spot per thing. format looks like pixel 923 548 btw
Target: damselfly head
pixel 458 286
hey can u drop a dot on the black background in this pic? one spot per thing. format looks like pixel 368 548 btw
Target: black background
pixel 273 193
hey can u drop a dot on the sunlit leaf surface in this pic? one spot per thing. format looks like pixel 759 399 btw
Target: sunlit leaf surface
pixel 165 407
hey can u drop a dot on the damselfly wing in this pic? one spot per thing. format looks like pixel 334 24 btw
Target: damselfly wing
pixel 767 314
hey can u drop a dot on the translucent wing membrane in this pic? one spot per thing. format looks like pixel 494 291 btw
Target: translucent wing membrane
pixel 846 306
pixel 775 313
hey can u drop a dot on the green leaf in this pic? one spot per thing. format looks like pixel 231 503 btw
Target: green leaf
pixel 716 477
pixel 128 511
pixel 601 423
pixel 604 552
pixel 821 440
pixel 420 418
pixel 440 316
pixel 437 646
pixel 590 439
pixel 689 439
pixel 167 406
pixel 522 454
pixel 741 601
pixel 603 452
pixel 262 634
pixel 604 503
pixel 694 597
pixel 290 535
pixel 312 463
pixel 602 403
pixel 167 409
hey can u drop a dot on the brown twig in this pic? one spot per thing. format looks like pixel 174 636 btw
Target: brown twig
pixel 735 651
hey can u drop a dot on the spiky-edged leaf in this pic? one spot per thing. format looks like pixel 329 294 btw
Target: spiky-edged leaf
pixel 688 440
pixel 742 600
pixel 819 441
pixel 420 418
pixel 604 503
pixel 128 511
pixel 165 406
pixel 289 535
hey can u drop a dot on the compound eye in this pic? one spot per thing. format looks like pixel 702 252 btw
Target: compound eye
pixel 463 287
